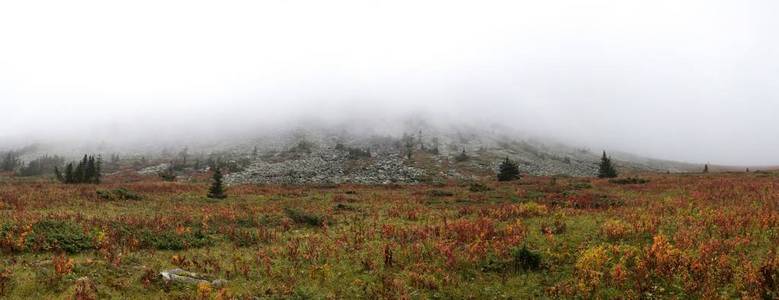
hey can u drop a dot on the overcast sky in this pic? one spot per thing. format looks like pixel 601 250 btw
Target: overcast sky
pixel 688 80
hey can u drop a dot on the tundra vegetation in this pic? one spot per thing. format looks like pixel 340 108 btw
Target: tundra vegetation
pixel 706 236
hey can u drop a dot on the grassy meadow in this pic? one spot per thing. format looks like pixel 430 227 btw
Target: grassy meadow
pixel 686 236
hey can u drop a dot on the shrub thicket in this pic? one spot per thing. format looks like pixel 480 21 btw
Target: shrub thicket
pixel 302 217
pixel 526 260
pixel 51 235
pixel 118 194
pixel 629 180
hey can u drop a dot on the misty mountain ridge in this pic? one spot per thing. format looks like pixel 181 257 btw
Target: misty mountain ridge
pixel 350 152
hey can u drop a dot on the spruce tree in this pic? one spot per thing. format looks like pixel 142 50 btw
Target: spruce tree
pixel 86 171
pixel 217 186
pixel 408 142
pixel 58 174
pixel 606 168
pixel 10 161
pixel 435 150
pixel 706 168
pixel 79 172
pixel 421 142
pixel 114 164
pixel 182 159
pixel 69 178
pixel 462 156
pixel 99 168
pixel 508 171
pixel 89 169
pixel 41 166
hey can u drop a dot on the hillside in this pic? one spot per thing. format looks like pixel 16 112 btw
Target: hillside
pixel 414 153
pixel 320 156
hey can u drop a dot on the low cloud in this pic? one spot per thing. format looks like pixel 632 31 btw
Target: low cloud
pixel 691 81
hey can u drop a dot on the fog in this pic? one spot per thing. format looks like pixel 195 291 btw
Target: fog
pixel 682 80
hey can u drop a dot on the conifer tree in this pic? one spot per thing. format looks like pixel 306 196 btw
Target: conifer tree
pixel 114 163
pixel 706 168
pixel 69 173
pixel 10 161
pixel 217 186
pixel 181 159
pixel 99 168
pixel 408 142
pixel 435 150
pixel 606 168
pixel 421 142
pixel 58 174
pixel 197 164
pixel 508 171
pixel 87 171
pixel 41 165
pixel 78 171
pixel 462 156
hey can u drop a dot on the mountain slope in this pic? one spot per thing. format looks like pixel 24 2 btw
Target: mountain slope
pixel 420 155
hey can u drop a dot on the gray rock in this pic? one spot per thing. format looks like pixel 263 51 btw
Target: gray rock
pixel 186 277
pixel 154 170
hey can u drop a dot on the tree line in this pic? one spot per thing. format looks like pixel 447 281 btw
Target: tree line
pixel 86 171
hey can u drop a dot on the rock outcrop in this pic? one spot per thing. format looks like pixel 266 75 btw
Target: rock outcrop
pixel 329 166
